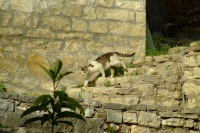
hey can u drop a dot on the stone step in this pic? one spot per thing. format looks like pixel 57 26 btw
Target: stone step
pixel 124 95
pixel 128 81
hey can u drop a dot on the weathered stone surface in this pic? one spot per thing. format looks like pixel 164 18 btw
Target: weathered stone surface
pixel 149 119
pixel 139 129
pixel 134 5
pixel 10 31
pixel 57 23
pixel 21 19
pixel 73 46
pixel 113 39
pixel 98 27
pixel 156 108
pixel 115 117
pixel 140 17
pixel 40 33
pixel 6 19
pixel 96 103
pixel 189 123
pixel 100 115
pixel 127 29
pixel 125 129
pixel 33 62
pixel 73 10
pixel 138 107
pixel 107 3
pixel 81 2
pixel 177 122
pixel 79 25
pixel 89 112
pixel 88 13
pixel 130 118
pixel 114 14
pixel 114 106
pixel 22 5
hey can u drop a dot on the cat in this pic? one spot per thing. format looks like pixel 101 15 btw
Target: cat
pixel 106 61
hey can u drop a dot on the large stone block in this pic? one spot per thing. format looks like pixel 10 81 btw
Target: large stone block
pixel 176 122
pixel 139 129
pixel 141 17
pixel 115 117
pixel 130 118
pixel 107 3
pixel 79 25
pixel 10 31
pixel 58 9
pixel 114 14
pixel 85 36
pixel 21 19
pixel 73 46
pixel 98 27
pixel 56 23
pixel 22 5
pixel 81 2
pixel 127 29
pixel 40 33
pixel 133 5
pixel 73 10
pixel 88 13
pixel 113 39
pixel 149 119
pixel 6 17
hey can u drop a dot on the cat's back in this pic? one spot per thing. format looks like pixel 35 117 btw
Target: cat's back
pixel 104 58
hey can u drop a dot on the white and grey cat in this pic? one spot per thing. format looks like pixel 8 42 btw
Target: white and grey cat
pixel 106 61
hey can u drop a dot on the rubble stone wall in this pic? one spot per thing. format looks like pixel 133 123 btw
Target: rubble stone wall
pixel 75 31
pixel 162 96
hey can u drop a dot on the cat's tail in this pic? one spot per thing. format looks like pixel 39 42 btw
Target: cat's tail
pixel 124 55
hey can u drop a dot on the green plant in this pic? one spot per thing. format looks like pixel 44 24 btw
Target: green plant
pixel 2 87
pixel 107 84
pixel 111 129
pixel 52 105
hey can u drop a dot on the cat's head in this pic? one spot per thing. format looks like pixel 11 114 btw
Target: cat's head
pixel 84 70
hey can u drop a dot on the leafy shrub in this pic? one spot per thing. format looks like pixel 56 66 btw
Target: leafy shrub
pixel 52 105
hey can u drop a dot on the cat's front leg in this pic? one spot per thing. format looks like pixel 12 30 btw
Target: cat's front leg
pixel 102 73
pixel 112 71
pixel 86 83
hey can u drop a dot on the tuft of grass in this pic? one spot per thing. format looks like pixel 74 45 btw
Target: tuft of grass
pixel 107 84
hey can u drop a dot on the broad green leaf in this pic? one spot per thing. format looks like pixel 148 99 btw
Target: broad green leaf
pixel 66 122
pixel 46 117
pixel 46 70
pixel 58 107
pixel 75 103
pixel 69 114
pixel 63 75
pixel 61 95
pixel 30 110
pixel 50 64
pixel 67 105
pixel 53 75
pixel 57 67
pixel 44 105
pixel 34 119
pixel 41 98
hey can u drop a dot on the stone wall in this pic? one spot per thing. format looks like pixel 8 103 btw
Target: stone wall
pixel 162 96
pixel 75 31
